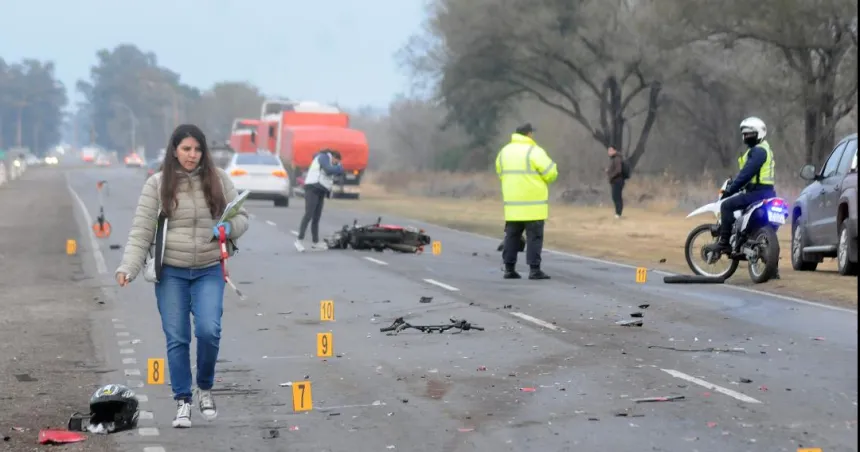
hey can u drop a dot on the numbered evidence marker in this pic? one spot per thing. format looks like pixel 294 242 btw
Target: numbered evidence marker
pixel 71 247
pixel 809 449
pixel 155 371
pixel 437 248
pixel 641 275
pixel 327 310
pixel 302 400
pixel 324 345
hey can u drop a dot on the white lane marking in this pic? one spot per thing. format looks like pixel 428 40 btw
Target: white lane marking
pixel 101 266
pixel 535 320
pixel 287 357
pixel 114 320
pixel 340 407
pixel 622 265
pixel 126 351
pixel 134 383
pixel 271 223
pixel 147 431
pixel 119 326
pixel 153 449
pixel 125 342
pixel 142 397
pixel 375 261
pixel 442 285
pixel 129 360
pixel 711 386
pixel 145 415
pixel 132 372
pixel 295 233
pixel 122 333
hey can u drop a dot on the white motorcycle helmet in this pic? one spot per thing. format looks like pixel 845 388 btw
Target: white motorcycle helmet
pixel 753 130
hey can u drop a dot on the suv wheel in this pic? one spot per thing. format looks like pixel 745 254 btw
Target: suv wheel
pixel 843 263
pixel 797 243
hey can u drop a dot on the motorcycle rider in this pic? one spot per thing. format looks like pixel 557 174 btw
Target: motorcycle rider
pixel 754 182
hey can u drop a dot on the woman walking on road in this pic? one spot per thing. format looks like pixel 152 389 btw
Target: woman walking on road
pixel 192 193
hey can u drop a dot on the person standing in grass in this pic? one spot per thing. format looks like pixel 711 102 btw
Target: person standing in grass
pixel 617 174
pixel 525 171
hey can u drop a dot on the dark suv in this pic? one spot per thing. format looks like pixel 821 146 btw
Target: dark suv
pixel 824 218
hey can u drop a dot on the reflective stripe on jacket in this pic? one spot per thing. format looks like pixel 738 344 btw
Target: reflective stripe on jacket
pixel 525 169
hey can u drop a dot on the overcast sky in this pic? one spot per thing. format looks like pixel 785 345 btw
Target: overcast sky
pixel 325 50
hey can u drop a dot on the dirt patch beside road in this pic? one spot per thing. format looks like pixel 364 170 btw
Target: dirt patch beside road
pixel 48 367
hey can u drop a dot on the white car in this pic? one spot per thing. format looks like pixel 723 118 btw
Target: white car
pixel 262 174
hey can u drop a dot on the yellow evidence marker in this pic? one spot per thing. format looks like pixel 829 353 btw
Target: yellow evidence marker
pixel 324 345
pixel 437 248
pixel 155 371
pixel 641 275
pixel 71 247
pixel 302 400
pixel 327 310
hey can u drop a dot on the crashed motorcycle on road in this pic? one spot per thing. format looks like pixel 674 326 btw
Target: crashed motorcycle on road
pixel 379 237
pixel 753 239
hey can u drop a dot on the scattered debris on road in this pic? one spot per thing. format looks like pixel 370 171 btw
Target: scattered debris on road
pixel 425 299
pixel 708 349
pixel 744 380
pixel 671 398
pixel 629 322
pixel 379 237
pixel 56 436
pixel 399 325
pixel 692 279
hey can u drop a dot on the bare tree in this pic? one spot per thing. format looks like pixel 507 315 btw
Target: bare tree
pixel 570 55
pixel 817 40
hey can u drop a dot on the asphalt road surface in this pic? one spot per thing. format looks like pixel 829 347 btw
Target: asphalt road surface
pixel 552 371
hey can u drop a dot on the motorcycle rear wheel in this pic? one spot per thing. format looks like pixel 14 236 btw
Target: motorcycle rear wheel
pixel 768 252
pixel 689 253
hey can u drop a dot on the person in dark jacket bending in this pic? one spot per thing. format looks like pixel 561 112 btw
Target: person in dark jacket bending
pixel 318 184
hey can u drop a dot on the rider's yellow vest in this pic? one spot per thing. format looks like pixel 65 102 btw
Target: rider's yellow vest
pixel 766 174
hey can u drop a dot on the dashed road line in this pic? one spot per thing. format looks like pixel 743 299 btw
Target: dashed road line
pixel 101 266
pixel 441 284
pixel 122 334
pixel 147 431
pixel 711 386
pixel 134 383
pixel 153 449
pixel 142 398
pixel 271 223
pixel 375 261
pixel 126 351
pixel 535 320
pixel 129 360
pixel 132 372
pixel 119 326
pixel 145 415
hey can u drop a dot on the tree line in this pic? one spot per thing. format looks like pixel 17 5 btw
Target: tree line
pixel 666 81
pixel 31 104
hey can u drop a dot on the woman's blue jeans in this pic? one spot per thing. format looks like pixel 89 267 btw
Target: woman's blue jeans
pixel 181 292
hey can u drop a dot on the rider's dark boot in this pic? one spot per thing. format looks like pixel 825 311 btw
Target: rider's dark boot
pixel 537 273
pixel 511 273
pixel 720 247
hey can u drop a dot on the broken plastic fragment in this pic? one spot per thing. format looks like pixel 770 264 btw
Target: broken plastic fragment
pixel 60 437
pixel 659 399
pixel 528 389
pixel 629 322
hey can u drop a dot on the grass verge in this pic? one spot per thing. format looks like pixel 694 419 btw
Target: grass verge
pixel 652 234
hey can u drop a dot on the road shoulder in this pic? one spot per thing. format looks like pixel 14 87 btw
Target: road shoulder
pixel 48 362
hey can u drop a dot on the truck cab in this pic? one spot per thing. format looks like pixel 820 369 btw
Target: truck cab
pixel 824 217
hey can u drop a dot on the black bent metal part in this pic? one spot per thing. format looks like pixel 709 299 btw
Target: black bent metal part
pixel 377 237
pixel 399 325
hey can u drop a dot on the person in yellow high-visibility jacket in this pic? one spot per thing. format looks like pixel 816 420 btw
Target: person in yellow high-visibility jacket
pixel 525 171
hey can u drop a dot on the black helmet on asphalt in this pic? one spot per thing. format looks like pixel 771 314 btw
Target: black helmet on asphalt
pixel 114 403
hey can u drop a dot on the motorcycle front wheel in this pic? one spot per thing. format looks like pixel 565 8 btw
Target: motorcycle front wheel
pixel 691 251
pixel 766 264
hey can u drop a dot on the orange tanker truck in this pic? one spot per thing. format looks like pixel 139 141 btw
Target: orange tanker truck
pixel 296 131
pixel 243 135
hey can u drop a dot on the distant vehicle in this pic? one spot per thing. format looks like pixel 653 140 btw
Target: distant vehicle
pixel 263 174
pixel 32 160
pixel 152 167
pixel 103 160
pixel 824 218
pixel 133 160
pixel 221 155
pixel 89 154
pixel 51 160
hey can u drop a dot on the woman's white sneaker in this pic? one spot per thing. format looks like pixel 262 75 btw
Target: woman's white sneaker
pixel 207 404
pixel 183 415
